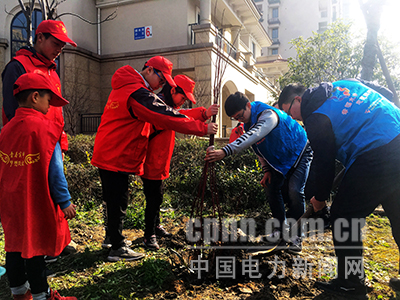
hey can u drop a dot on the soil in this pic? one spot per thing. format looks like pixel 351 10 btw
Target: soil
pixel 270 281
pixel 187 285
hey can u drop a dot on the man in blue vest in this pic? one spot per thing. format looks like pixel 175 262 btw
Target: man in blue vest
pixel 348 121
pixel 282 147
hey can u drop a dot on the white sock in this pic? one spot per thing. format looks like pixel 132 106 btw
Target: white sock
pixel 20 290
pixel 41 296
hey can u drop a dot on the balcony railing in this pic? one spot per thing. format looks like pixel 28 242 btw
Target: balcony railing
pixel 192 34
pixel 274 1
pixel 274 21
pixel 90 123
pixel 222 42
pixel 275 42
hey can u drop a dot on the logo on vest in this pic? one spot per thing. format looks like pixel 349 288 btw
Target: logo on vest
pixel 112 105
pixel 19 158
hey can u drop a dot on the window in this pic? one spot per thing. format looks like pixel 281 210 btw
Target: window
pixel 274 51
pixel 275 33
pixel 324 14
pixel 275 13
pixel 322 26
pixel 334 14
pixel 254 49
pixel 18 30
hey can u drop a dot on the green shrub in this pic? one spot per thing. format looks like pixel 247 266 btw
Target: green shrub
pixel 80 148
pixel 237 179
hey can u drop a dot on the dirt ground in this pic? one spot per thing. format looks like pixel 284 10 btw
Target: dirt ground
pixel 283 280
pixel 279 275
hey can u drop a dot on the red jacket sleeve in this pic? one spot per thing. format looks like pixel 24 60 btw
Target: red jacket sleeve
pixel 197 113
pixel 64 141
pixel 148 107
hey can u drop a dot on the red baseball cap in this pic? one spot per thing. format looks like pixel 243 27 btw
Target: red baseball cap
pixel 187 85
pixel 39 81
pixel 164 65
pixel 56 29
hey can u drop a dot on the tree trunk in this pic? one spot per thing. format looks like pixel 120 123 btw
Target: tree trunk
pixel 387 76
pixel 372 13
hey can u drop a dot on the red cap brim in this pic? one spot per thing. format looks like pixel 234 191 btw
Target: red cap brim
pixel 56 100
pixel 64 38
pixel 190 96
pixel 169 79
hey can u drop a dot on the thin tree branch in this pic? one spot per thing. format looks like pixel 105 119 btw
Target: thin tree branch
pixel 110 17
pixel 386 73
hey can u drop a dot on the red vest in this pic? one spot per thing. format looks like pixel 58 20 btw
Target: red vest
pixel 121 140
pixel 32 223
pixel 161 148
pixel 236 132
pixel 32 64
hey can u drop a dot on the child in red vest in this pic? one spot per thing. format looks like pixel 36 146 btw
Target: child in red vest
pixel 159 152
pixel 34 198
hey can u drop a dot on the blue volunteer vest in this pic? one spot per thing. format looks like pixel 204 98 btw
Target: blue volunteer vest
pixel 284 144
pixel 361 118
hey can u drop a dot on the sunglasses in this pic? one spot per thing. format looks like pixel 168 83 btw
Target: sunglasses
pixel 162 80
pixel 290 106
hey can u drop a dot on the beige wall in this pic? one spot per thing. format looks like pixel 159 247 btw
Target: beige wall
pixel 83 33
pixel 86 75
pixel 169 27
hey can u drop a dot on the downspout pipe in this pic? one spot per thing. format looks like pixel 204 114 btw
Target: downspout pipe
pixel 98 31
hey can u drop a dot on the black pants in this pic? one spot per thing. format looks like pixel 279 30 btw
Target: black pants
pixel 371 180
pixel 115 194
pixel 154 191
pixel 19 270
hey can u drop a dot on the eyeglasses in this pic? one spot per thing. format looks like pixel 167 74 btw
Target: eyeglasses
pixel 290 107
pixel 162 80
pixel 238 116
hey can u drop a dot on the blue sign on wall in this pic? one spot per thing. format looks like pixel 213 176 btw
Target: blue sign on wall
pixel 144 32
pixel 139 33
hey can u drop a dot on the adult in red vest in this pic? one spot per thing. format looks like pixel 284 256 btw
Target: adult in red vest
pixel 122 139
pixel 159 153
pixel 50 39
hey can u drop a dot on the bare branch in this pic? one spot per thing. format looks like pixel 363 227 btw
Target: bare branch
pixel 7 12
pixel 22 5
pixel 32 5
pixel 43 8
pixel 110 17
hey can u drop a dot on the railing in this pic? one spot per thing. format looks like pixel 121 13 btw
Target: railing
pixel 90 123
pixel 275 42
pixel 192 35
pixel 221 41
pixel 274 21
pixel 274 1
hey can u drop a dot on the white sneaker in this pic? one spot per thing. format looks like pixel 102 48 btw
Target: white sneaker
pixel 124 253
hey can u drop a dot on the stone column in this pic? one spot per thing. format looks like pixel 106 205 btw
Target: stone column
pixel 235 39
pixel 205 11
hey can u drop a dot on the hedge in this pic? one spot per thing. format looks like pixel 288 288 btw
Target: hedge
pixel 238 177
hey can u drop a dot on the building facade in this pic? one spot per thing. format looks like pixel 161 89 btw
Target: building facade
pixel 192 34
pixel 289 19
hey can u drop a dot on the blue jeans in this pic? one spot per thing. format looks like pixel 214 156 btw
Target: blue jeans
pixel 289 190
